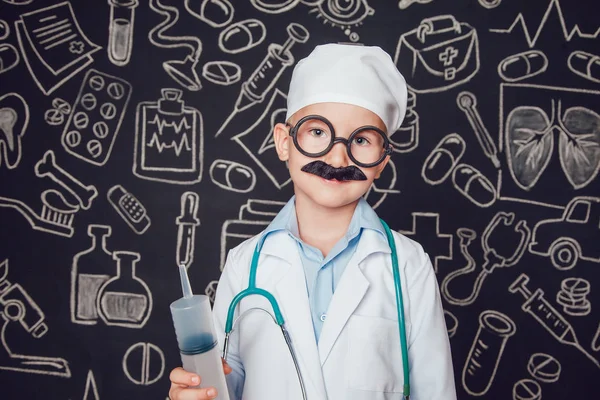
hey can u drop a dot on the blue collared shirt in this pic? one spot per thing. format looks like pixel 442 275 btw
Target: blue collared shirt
pixel 323 273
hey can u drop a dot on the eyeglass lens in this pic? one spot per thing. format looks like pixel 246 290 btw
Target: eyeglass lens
pixel 314 136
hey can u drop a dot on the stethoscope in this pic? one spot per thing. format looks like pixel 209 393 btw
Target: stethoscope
pixel 278 318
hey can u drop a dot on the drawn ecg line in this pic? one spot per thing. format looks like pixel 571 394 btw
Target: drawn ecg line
pixel 567 34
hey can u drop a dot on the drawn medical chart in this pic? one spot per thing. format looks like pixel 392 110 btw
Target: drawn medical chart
pixel 564 239
pixel 382 186
pixel 91 389
pixel 169 140
pixel 232 176
pixel 547 316
pixel 56 115
pixel 222 73
pixel 152 366
pixel 121 24
pixel 184 72
pixel 572 296
pixel 14 119
pixel 445 53
pixel 553 12
pixel 253 217
pixel 520 66
pixel 187 222
pixel 216 13
pixel 9 57
pixel 344 15
pixel 258 140
pixel 242 36
pixel 544 367
pixel 18 309
pixel 527 389
pixel 495 256
pixel 404 4
pixel 53 45
pixel 129 208
pixel 489 343
pixel 426 230
pixel 584 64
pixel 96 117
pixel 261 81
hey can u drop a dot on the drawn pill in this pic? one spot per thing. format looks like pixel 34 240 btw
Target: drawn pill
pixel 144 363
pixel 108 111
pixel 81 120
pixel 232 176
pixel 115 90
pixel 73 138
pixel 216 13
pixel 527 389
pixel 586 65
pixel 522 65
pixel 100 129
pixel 97 82
pixel 9 57
pixel 54 117
pixel 544 367
pixel 575 286
pixel 94 148
pixel 88 101
pixel 61 105
pixel 4 29
pixel 242 36
pixel 473 185
pixel 221 72
pixel 443 158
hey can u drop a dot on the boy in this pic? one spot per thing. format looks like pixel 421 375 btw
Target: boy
pixel 325 256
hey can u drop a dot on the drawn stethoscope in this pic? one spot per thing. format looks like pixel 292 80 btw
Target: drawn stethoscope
pixel 278 317
pixel 492 258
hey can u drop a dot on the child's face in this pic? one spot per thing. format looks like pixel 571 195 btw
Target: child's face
pixel 330 193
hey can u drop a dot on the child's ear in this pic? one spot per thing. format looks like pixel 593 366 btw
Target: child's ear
pixel 381 166
pixel 281 137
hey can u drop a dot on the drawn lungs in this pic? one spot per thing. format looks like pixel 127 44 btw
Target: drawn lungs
pixel 530 142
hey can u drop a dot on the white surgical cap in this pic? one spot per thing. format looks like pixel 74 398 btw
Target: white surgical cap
pixel 364 76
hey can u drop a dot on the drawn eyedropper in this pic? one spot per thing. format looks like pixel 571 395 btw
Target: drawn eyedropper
pixel 536 305
pixel 264 77
pixel 186 231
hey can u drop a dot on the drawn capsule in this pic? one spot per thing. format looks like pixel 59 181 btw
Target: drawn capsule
pixel 474 185
pixel 586 65
pixel 521 66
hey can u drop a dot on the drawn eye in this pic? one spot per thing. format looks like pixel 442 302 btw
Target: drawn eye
pixel 344 13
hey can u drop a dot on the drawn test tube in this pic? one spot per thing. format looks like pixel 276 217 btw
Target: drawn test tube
pixel 120 30
pixel 486 351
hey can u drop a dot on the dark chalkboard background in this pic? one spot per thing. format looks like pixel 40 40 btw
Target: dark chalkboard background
pixel 529 66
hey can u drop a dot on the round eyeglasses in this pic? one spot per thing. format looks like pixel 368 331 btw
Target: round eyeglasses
pixel 314 136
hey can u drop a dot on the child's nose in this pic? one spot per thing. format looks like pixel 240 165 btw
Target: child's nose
pixel 338 156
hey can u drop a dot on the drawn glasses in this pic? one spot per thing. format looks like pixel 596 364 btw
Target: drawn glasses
pixel 314 136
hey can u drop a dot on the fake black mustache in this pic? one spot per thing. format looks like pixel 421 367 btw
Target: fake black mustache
pixel 324 170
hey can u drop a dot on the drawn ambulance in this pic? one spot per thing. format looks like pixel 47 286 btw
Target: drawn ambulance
pixel 571 237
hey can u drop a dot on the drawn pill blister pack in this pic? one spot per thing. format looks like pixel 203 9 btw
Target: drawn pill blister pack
pixel 96 117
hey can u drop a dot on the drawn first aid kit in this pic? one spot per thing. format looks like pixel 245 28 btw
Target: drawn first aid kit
pixel 439 54
pixel 168 140
pixel 96 117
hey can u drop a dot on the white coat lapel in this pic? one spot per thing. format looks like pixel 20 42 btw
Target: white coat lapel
pixel 349 292
pixel 291 294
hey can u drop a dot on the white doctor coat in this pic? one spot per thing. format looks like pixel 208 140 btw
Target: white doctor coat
pixel 358 355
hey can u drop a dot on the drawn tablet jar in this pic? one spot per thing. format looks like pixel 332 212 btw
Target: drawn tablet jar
pixel 120 30
pixel 486 351
pixel 125 300
pixel 169 140
pixel 91 269
pixel 406 137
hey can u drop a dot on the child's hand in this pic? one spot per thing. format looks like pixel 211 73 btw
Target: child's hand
pixel 181 380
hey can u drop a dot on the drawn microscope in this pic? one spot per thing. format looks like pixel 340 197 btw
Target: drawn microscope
pixel 18 308
pixel 493 257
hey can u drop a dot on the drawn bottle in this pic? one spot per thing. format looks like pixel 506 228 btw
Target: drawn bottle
pixel 125 300
pixel 91 269
pixel 169 140
pixel 120 30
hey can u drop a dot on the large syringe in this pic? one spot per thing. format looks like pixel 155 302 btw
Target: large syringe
pixel 547 316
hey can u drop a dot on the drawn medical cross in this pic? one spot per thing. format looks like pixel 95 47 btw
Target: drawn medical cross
pixel 448 55
pixel 426 231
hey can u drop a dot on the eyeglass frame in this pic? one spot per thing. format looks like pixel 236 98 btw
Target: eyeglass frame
pixel 387 147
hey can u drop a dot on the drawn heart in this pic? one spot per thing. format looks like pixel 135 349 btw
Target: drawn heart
pixel 579 145
pixel 14 117
pixel 529 141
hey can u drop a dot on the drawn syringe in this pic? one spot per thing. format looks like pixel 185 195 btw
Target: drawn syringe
pixel 264 77
pixel 548 316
